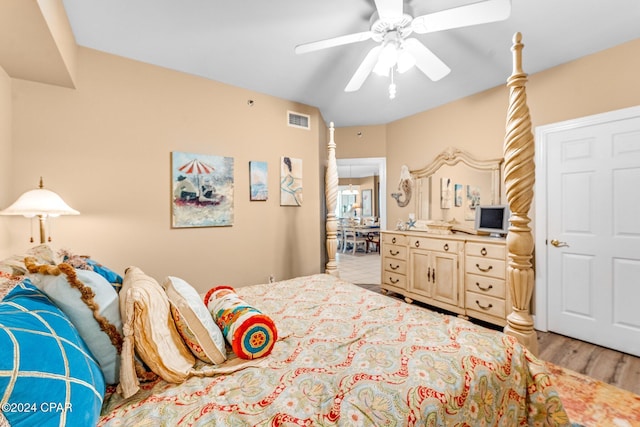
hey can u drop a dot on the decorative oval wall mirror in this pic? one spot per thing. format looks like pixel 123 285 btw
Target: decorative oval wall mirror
pixel 454 183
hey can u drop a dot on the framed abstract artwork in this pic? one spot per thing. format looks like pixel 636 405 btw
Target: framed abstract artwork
pixel 258 190
pixel 202 193
pixel 290 181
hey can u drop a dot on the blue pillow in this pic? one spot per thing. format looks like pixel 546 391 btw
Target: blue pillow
pixel 47 374
pixel 112 277
pixel 83 262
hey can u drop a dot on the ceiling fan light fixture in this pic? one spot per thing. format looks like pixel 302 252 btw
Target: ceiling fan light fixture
pixel 387 60
pixel 405 61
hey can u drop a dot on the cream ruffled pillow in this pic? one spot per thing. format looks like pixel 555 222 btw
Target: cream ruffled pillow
pixel 194 322
pixel 149 328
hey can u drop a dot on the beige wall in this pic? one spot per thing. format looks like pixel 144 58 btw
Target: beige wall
pixel 601 82
pixel 105 147
pixel 5 158
pixel 361 141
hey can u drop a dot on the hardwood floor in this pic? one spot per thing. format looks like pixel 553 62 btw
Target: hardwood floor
pixel 610 366
pixel 619 369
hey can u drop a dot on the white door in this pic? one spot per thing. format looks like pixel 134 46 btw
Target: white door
pixel 593 229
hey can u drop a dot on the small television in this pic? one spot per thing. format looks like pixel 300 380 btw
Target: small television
pixel 492 219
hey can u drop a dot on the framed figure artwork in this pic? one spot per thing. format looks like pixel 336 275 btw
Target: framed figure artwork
pixel 446 193
pixel 290 181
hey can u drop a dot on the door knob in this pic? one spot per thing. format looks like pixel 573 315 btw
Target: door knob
pixel 559 244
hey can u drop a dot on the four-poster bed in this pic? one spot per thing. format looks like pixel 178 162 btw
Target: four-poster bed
pixel 343 355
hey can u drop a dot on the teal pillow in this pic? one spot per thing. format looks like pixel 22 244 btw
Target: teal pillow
pixel 47 374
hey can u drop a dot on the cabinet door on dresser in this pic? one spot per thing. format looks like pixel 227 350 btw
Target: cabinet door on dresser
pixel 434 271
pixel 486 295
pixel 394 262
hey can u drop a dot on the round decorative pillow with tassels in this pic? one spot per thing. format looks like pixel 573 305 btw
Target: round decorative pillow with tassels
pixel 251 333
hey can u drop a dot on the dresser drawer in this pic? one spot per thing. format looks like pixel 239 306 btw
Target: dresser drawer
pixel 394 251
pixel 394 279
pixel 486 285
pixel 485 304
pixel 485 250
pixel 394 265
pixel 394 239
pixel 434 244
pixel 486 267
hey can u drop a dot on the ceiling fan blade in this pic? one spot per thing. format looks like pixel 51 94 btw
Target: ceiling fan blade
pixel 364 69
pixel 426 61
pixel 389 10
pixel 332 42
pixel 463 16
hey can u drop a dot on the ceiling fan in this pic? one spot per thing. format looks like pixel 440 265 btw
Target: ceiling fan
pixel 391 27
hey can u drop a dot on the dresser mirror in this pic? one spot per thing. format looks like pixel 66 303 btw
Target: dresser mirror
pixel 452 185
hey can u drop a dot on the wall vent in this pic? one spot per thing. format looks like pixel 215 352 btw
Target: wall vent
pixel 298 120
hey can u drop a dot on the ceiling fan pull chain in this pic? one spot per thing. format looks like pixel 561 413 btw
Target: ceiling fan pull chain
pixel 392 87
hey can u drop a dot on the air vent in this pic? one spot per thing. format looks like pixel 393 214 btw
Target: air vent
pixel 298 120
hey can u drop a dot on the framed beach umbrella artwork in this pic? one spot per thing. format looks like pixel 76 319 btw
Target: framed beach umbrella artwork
pixel 202 190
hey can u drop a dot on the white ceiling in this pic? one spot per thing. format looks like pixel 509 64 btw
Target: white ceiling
pixel 250 44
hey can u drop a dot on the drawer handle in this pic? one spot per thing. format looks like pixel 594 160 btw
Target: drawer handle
pixel 483 252
pixel 484 270
pixel 394 267
pixel 417 244
pixel 488 288
pixel 484 307
pixel 393 240
pixel 393 281
pixel 393 253
pixel 446 247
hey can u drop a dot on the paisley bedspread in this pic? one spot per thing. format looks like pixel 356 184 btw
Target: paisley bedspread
pixel 350 357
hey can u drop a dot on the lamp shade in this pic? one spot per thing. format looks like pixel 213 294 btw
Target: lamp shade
pixel 39 202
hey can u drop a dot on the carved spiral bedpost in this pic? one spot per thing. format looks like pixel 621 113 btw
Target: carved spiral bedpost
pixel 331 194
pixel 519 176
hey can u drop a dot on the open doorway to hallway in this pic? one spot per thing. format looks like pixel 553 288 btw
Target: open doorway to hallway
pixel 362 186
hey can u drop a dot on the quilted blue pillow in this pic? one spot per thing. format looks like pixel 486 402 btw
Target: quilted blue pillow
pixel 47 374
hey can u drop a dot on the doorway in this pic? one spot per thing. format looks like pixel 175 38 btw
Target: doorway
pixel 588 229
pixel 357 168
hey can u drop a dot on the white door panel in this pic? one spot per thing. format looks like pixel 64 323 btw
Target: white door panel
pixel 592 200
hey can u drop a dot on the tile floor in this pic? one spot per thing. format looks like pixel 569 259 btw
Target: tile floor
pixel 361 268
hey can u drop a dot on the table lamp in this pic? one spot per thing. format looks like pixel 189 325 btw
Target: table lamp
pixel 42 203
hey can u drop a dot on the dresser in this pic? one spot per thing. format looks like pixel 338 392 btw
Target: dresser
pixel 394 262
pixel 460 273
